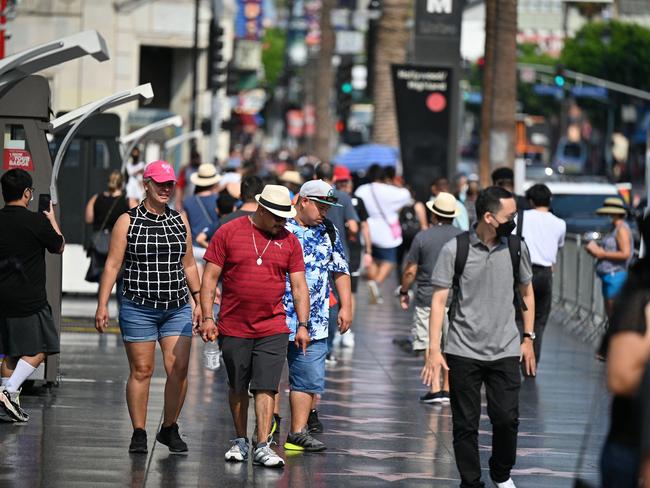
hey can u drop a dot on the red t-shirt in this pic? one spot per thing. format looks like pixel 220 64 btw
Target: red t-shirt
pixel 251 302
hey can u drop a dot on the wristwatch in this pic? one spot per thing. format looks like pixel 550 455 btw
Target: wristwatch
pixel 530 335
pixel 209 318
pixel 303 324
pixel 402 292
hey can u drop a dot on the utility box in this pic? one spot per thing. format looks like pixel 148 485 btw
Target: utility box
pixel 24 123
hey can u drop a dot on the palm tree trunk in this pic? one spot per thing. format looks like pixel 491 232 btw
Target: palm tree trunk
pixel 324 83
pixel 499 87
pixel 392 39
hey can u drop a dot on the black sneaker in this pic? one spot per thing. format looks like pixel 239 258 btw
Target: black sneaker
pixel 275 426
pixel 437 397
pixel 171 438
pixel 314 426
pixel 138 441
pixel 303 441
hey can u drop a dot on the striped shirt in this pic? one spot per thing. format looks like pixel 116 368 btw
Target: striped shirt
pixel 156 244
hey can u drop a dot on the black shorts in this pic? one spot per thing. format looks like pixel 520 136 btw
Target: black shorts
pixel 254 364
pixel 29 336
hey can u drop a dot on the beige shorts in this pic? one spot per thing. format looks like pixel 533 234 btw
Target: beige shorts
pixel 420 329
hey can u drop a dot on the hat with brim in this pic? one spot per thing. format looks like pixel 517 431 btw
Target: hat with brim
pixel 612 206
pixel 160 172
pixel 206 175
pixel 277 200
pixel 444 205
pixel 321 192
pixel 292 177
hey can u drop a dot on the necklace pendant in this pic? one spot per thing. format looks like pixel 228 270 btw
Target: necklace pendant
pixel 259 261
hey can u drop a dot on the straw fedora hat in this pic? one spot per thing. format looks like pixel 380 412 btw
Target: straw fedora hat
pixel 444 205
pixel 613 206
pixel 277 200
pixel 206 175
pixel 291 177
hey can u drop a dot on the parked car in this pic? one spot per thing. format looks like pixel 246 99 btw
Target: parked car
pixel 570 157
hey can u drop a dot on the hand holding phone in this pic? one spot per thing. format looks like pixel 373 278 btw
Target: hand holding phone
pixel 44 200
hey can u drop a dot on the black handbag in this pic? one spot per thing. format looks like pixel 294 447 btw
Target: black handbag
pixel 98 251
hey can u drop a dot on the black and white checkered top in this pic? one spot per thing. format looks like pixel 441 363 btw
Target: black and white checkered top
pixel 153 267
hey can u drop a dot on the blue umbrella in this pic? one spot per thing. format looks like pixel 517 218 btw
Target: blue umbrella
pixel 360 158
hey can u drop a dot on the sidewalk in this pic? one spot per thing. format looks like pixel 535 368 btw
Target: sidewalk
pixel 376 431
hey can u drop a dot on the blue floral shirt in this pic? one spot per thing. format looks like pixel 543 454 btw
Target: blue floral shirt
pixel 320 260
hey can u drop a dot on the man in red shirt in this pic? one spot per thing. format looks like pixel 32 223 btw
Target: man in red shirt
pixel 252 256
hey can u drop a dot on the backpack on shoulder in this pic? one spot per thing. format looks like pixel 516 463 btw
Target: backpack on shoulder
pixel 462 252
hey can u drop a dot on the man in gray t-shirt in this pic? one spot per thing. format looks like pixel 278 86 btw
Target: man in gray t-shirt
pixel 420 262
pixel 483 345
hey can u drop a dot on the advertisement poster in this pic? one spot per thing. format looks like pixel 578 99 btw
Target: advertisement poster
pixel 422 102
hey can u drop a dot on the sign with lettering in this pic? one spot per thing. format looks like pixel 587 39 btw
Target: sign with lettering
pixel 438 18
pixel 422 100
pixel 17 159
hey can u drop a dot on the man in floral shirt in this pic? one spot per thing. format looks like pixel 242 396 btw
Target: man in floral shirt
pixel 323 254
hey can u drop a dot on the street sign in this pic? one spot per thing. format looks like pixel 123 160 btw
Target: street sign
pixel 349 42
pixel 247 55
pixel 586 91
pixel 548 90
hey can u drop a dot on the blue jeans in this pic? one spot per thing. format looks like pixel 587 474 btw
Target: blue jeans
pixel 140 323
pixel 619 466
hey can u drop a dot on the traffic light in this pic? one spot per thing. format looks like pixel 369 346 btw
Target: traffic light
pixel 233 77
pixel 216 68
pixel 343 93
pixel 559 78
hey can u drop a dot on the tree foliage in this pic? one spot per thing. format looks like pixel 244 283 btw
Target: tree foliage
pixel 273 54
pixel 614 51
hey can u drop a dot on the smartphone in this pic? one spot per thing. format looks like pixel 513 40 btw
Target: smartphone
pixel 44 202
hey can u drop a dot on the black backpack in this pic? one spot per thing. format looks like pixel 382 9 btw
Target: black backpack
pixel 409 223
pixel 330 230
pixel 462 251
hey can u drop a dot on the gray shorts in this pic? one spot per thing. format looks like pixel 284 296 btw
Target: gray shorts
pixel 420 329
pixel 29 336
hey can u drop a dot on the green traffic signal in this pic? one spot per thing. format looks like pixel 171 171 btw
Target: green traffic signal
pixel 346 88
pixel 559 80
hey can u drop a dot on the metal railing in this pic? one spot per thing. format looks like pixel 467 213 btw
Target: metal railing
pixel 578 304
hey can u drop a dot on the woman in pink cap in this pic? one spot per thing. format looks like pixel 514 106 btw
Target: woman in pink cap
pixel 154 243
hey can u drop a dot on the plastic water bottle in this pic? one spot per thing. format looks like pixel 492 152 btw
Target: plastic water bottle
pixel 211 356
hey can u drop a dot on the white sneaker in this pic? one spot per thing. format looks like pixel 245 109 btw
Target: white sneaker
pixel 347 339
pixel 505 484
pixel 238 452
pixel 11 404
pixel 337 339
pixel 375 295
pixel 265 456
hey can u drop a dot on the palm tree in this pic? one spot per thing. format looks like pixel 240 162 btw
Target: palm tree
pixel 323 83
pixel 499 87
pixel 393 34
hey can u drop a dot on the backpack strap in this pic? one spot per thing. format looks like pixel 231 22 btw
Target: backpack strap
pixel 514 246
pixel 331 233
pixel 462 251
pixel 520 224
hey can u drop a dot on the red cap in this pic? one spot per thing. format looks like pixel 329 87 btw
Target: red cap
pixel 160 172
pixel 341 173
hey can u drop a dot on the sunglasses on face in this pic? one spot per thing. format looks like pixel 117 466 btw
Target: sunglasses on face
pixel 166 184
pixel 328 199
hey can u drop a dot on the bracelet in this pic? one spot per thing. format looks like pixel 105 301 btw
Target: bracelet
pixel 403 293
pixel 303 324
pixel 195 292
pixel 209 318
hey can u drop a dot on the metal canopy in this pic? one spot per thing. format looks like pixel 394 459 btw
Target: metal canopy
pixel 133 139
pixel 74 120
pixel 24 63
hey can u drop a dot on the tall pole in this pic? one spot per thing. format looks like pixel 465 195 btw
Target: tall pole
pixel 195 62
pixel 324 82
pixel 215 116
pixel 3 27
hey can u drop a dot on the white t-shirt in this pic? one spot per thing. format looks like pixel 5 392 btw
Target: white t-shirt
pixel 391 199
pixel 544 235
pixel 135 186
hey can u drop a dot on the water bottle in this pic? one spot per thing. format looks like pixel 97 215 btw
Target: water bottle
pixel 211 356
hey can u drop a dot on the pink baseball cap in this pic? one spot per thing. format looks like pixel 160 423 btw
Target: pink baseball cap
pixel 160 171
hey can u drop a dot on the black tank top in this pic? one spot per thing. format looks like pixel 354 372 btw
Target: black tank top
pixel 102 207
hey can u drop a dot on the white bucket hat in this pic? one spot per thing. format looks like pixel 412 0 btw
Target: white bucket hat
pixel 445 205
pixel 206 175
pixel 277 200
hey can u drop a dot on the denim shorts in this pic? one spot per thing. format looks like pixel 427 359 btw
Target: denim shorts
pixel 307 372
pixel 140 323
pixel 613 284
pixel 387 254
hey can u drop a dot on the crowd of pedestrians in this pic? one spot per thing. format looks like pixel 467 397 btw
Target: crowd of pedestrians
pixel 267 266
